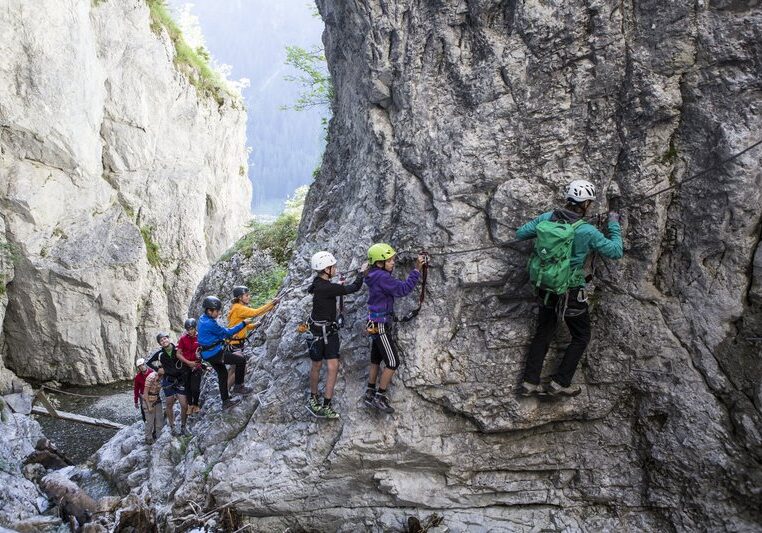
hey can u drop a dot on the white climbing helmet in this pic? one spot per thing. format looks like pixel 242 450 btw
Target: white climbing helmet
pixel 580 191
pixel 322 260
pixel 140 362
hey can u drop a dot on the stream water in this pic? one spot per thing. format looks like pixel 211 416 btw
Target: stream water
pixel 79 441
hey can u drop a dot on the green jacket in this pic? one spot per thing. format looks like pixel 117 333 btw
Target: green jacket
pixel 587 239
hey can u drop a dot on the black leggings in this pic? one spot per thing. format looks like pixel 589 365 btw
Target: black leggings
pixel 193 386
pixel 579 327
pixel 218 362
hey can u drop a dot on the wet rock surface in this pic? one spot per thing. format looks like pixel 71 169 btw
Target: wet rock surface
pixel 454 123
pixel 120 184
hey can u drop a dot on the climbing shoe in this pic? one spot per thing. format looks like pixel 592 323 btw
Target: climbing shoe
pixel 368 398
pixel 381 402
pixel 555 389
pixel 527 389
pixel 327 412
pixel 227 404
pixel 241 389
pixel 314 407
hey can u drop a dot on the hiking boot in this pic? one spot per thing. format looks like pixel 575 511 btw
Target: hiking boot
pixel 555 389
pixel 227 404
pixel 527 389
pixel 368 398
pixel 327 412
pixel 173 431
pixel 381 402
pixel 149 442
pixel 241 389
pixel 183 430
pixel 314 407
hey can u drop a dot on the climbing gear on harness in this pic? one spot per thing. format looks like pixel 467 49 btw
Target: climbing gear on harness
pixel 207 347
pixel 239 291
pixel 380 252
pixel 189 324
pixel 211 302
pixel 326 326
pixel 579 191
pixel 424 277
pixel 550 263
pixel 161 336
pixel 371 328
pixel 322 260
pixel 302 327
pixel 340 315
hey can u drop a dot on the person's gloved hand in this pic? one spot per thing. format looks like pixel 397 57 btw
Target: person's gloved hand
pixel 615 217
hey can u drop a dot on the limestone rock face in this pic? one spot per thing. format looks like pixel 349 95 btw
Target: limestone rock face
pixel 456 122
pixel 119 184
pixel 19 496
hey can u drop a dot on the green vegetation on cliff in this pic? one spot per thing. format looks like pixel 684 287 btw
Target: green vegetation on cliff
pixel 194 63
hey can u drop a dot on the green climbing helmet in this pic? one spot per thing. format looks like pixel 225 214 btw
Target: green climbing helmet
pixel 380 252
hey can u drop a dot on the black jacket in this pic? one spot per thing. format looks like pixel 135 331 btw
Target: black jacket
pixel 173 367
pixel 324 294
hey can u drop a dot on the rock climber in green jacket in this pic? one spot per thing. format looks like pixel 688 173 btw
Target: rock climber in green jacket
pixel 580 194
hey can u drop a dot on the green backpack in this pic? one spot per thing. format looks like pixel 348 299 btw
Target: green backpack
pixel 550 264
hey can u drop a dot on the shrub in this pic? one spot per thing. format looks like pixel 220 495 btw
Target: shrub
pixel 193 63
pixel 152 249
pixel 265 285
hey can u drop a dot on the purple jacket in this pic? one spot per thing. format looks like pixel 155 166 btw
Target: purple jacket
pixel 383 289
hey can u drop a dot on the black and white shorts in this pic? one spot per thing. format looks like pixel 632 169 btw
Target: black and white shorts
pixel 383 348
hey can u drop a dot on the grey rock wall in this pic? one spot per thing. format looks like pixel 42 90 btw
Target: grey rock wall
pixel 101 138
pixel 454 123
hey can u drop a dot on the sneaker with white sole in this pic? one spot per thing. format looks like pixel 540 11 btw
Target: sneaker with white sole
pixel 555 389
pixel 527 389
pixel 314 407
pixel 328 412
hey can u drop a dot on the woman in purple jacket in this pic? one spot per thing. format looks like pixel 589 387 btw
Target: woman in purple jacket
pixel 382 290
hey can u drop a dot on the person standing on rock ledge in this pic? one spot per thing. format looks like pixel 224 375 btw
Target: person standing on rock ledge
pixel 563 242
pixel 187 348
pixel 325 329
pixel 211 340
pixel 152 404
pixel 240 310
pixel 176 368
pixel 382 290
pixel 139 383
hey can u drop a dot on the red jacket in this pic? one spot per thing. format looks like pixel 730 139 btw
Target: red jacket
pixel 139 383
pixel 188 345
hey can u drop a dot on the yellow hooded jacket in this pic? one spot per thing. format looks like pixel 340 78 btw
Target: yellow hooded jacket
pixel 239 311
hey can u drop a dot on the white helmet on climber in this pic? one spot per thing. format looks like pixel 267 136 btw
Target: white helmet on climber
pixel 322 260
pixel 579 191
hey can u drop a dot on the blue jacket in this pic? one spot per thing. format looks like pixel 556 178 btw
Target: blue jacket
pixel 383 289
pixel 210 332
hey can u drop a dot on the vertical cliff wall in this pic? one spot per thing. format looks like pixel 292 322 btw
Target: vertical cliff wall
pixel 119 184
pixel 454 123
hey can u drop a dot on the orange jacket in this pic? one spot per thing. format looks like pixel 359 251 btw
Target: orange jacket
pixel 239 311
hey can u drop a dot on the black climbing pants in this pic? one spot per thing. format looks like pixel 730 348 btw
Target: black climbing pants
pixel 577 319
pixel 228 357
pixel 193 386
